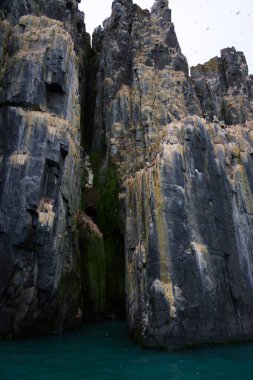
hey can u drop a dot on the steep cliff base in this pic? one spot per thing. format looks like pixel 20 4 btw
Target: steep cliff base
pixel 39 178
pixel 189 238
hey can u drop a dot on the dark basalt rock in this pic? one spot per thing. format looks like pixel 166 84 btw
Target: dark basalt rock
pixel 189 238
pixel 224 87
pixel 65 11
pixel 40 168
pixel 185 177
pixel 167 177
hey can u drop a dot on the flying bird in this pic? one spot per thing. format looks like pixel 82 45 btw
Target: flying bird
pixel 237 13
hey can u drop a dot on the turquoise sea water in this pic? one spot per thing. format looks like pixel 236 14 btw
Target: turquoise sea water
pixel 104 352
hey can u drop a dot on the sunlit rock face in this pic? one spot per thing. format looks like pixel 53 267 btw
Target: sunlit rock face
pixel 65 11
pixel 142 82
pixel 189 237
pixel 183 148
pixel 224 87
pixel 39 175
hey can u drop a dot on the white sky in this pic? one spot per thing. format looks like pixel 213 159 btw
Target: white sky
pixel 203 27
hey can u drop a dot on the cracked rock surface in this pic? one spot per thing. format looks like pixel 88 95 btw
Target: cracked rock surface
pixel 39 169
pixel 166 180
pixel 183 147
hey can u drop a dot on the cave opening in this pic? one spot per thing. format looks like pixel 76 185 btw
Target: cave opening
pixel 92 213
pixel 55 97
pixel 102 269
pixel 54 88
pixel 102 258
pixel 115 275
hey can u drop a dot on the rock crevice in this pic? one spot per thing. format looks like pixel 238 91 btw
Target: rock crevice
pixel 166 180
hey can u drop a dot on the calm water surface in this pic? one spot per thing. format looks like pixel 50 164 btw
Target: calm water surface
pixel 104 352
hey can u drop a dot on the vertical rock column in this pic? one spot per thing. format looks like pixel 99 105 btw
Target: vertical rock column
pixel 39 177
pixel 141 85
pixel 186 182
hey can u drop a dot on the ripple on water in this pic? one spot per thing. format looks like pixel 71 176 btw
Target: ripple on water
pixel 104 352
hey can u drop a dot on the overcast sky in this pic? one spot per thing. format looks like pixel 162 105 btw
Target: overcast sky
pixel 203 27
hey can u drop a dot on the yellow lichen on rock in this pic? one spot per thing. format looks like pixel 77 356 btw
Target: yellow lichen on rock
pixel 19 158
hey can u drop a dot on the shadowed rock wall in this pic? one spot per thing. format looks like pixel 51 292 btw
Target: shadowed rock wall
pixel 39 169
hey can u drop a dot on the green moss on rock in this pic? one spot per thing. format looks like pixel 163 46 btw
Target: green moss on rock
pixel 92 260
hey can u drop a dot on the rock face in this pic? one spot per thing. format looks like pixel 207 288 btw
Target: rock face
pixel 39 167
pixel 167 179
pixel 189 238
pixel 65 11
pixel 182 149
pixel 142 82
pixel 141 85
pixel 224 87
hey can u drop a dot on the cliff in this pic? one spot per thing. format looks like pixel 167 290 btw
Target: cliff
pixel 182 149
pixel 160 205
pixel 40 169
pixel 224 87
